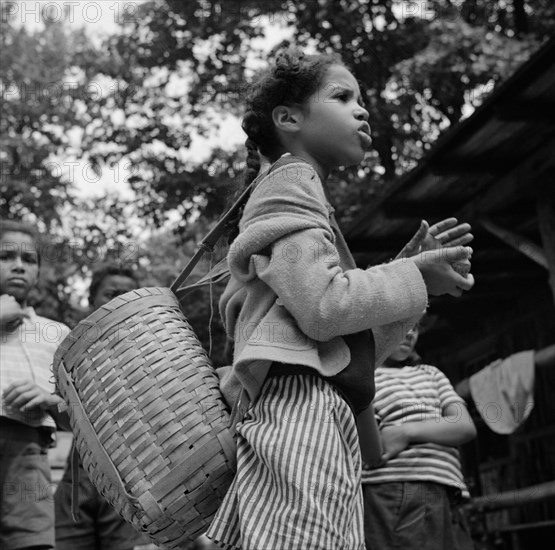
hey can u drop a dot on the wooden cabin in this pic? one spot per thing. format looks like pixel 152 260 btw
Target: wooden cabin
pixel 496 170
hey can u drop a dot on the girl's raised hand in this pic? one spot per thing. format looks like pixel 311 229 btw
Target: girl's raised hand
pixel 439 270
pixel 447 232
pixel 420 239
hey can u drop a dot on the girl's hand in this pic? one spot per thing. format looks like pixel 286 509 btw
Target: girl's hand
pixel 448 233
pixel 444 233
pixel 439 270
pixel 11 313
pixel 394 440
pixel 26 396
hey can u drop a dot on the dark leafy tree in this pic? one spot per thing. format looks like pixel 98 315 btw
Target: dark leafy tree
pixel 40 89
pixel 177 67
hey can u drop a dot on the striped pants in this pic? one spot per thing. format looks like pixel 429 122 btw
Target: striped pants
pixel 298 472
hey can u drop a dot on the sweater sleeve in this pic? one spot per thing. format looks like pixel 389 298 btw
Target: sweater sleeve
pixel 327 301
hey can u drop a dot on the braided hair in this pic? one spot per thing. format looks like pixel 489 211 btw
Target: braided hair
pixel 293 78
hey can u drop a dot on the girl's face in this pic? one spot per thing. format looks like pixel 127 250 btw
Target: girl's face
pixel 333 129
pixel 406 347
pixel 19 265
pixel 110 287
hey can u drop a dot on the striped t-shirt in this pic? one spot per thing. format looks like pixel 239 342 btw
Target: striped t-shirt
pixel 26 353
pixel 410 394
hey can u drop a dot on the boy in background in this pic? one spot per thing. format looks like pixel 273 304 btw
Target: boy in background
pixel 411 500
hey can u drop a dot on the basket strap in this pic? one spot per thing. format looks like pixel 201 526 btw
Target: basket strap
pixel 219 272
pixel 207 244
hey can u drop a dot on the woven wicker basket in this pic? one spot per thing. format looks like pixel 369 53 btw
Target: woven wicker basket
pixel 147 414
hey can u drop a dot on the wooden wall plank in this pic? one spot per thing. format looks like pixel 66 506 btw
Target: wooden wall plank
pixel 546 222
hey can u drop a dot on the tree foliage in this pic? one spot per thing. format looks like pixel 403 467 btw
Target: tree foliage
pixel 183 64
pixel 36 114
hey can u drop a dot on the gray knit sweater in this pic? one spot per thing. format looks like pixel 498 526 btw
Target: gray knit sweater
pixel 291 297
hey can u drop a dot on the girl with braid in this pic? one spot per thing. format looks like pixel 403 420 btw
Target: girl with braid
pixel 307 325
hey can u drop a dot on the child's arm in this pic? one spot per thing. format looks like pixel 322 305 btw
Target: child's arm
pixel 369 437
pixel 453 428
pixel 447 232
pixel 328 301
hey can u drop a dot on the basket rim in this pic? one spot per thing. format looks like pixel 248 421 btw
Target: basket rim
pixel 95 318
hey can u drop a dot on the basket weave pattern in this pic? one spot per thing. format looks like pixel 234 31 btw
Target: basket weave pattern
pixel 148 418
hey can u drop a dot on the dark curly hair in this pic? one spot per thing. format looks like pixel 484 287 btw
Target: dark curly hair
pixel 292 78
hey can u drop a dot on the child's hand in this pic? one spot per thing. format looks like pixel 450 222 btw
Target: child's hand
pixel 394 440
pixel 439 270
pixel 26 396
pixel 444 233
pixel 11 313
pixel 447 233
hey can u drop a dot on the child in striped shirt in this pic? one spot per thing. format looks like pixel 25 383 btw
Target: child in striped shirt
pixel 411 499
